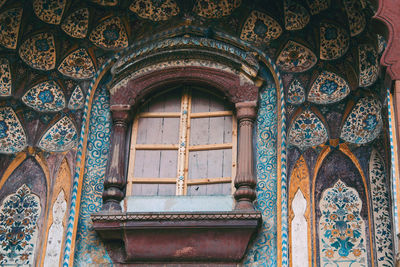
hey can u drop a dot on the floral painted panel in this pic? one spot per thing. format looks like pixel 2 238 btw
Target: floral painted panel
pixel 381 211
pixel 296 93
pixel 77 99
pixel 316 6
pixel 215 9
pixel 355 15
pixel 10 21
pixel 110 34
pixel 341 229
pixel 382 44
pixel 45 97
pixel 155 10
pixel 5 77
pixel 295 57
pixel 328 88
pixel 12 135
pixel 56 232
pixel 49 11
pixel 259 28
pixel 77 65
pixel 334 41
pixel 19 213
pixel 364 123
pixel 307 130
pixel 296 16
pixel 368 65
pixel 62 136
pixel 105 2
pixel 76 24
pixel 39 51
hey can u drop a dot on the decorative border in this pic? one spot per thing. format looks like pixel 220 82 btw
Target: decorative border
pixel 175 216
pixel 281 154
pixel 392 132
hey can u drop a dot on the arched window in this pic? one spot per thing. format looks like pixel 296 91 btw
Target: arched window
pixel 183 142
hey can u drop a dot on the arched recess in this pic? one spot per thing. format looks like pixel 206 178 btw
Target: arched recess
pixel 331 242
pixel 28 182
pixel 236 67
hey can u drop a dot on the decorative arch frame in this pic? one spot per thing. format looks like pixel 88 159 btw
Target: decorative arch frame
pixel 248 69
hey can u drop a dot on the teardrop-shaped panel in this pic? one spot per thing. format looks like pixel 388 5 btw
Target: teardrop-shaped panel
pixel 296 94
pixel 382 44
pixel 76 24
pixel 49 11
pixel 77 99
pixel 215 9
pixel 368 65
pixel 5 77
pixel 155 10
pixel 355 16
pixel 77 65
pixel 110 34
pixel 334 41
pixel 295 57
pixel 10 21
pixel 39 51
pixel 307 130
pixel 364 123
pixel 259 27
pixel 296 16
pixel 316 6
pixel 328 88
pixel 62 136
pixel 12 135
pixel 45 97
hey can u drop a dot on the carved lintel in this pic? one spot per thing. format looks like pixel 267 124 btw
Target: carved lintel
pixel 245 181
pixel 115 180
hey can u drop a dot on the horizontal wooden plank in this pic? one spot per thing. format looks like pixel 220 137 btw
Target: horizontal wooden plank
pixel 160 115
pixel 155 147
pixel 211 114
pixel 152 180
pixel 210 147
pixel 209 180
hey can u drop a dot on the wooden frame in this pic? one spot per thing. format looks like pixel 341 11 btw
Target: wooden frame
pixel 182 158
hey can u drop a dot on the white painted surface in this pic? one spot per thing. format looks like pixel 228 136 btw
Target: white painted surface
pixel 299 231
pixel 54 241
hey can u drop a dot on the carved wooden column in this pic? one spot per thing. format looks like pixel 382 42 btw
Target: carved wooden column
pixel 245 181
pixel 115 179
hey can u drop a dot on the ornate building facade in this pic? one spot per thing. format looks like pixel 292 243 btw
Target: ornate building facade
pixel 199 132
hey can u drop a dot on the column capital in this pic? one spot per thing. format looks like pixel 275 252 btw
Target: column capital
pixel 246 110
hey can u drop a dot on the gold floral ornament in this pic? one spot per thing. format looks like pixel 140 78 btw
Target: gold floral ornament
pixel 110 34
pixel 10 21
pixel 295 57
pixel 39 51
pixel 105 2
pixel 76 24
pixel 212 9
pixel 49 11
pixel 296 16
pixel 155 10
pixel 260 28
pixel 77 65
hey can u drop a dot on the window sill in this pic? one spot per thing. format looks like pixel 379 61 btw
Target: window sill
pixel 178 236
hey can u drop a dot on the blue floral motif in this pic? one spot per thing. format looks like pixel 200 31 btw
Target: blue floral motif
pixel 18 230
pixel 331 33
pixel 260 28
pixel 3 129
pixel 46 96
pixel 329 87
pixel 42 45
pixel 370 122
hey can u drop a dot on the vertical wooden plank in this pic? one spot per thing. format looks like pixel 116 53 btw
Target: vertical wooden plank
pixel 131 165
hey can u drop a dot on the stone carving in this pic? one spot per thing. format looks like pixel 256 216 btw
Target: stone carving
pixel 19 214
